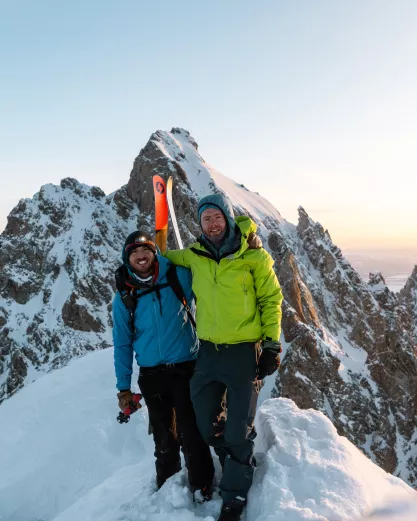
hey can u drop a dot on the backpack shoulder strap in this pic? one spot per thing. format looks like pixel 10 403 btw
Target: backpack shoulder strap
pixel 121 275
pixel 175 284
pixel 128 296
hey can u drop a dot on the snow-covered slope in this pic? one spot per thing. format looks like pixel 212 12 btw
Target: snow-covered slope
pixel 64 458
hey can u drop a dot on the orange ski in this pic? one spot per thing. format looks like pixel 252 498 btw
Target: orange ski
pixel 161 212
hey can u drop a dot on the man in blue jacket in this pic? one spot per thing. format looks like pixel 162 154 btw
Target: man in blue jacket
pixel 152 323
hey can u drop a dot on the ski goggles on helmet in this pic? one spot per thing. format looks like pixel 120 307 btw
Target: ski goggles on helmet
pixel 138 242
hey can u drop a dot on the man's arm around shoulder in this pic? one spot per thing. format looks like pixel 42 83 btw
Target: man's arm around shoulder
pixel 186 281
pixel 179 257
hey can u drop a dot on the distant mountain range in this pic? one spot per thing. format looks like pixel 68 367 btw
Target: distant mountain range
pixel 350 345
pixel 396 265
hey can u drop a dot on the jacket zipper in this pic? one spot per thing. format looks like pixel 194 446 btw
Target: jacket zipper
pixel 214 301
pixel 245 290
pixel 157 327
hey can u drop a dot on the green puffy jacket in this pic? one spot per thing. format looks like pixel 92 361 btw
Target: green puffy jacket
pixel 239 298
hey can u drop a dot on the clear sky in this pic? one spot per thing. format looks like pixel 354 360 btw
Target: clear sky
pixel 310 103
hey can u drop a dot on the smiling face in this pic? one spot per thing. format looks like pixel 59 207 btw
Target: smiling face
pixel 213 223
pixel 142 261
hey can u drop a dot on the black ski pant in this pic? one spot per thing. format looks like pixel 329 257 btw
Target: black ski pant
pixel 228 371
pixel 166 391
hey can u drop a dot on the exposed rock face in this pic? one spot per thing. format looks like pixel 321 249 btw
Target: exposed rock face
pixel 408 299
pixel 57 257
pixel 386 298
pixel 356 360
pixel 165 155
pixel 77 317
pixel 350 346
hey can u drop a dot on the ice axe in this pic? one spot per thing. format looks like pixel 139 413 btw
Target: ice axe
pixel 124 416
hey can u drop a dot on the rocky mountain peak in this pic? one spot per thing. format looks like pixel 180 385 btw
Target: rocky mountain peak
pixel 305 222
pixel 185 135
pixel 411 284
pixel 177 135
pixel 385 297
pixel 408 298
pixel 377 281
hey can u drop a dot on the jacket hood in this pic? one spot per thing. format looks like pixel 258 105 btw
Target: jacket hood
pixel 222 202
pixel 246 227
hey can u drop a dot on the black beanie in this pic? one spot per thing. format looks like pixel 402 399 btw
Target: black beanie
pixel 136 239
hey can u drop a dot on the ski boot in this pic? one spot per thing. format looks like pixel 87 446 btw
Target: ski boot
pixel 202 495
pixel 232 510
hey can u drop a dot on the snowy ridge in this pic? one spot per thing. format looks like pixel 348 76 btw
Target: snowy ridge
pixel 74 460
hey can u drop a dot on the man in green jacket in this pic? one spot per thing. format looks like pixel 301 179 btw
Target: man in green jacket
pixel 238 309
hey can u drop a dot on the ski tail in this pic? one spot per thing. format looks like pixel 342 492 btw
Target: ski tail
pixel 161 212
pixel 172 214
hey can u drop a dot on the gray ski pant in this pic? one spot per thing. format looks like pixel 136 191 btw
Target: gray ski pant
pixel 227 373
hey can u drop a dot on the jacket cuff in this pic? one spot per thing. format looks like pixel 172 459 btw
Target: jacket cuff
pixel 123 384
pixel 273 346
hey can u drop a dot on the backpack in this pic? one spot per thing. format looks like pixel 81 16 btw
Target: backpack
pixel 127 289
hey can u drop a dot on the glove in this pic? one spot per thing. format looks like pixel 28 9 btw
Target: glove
pixel 126 400
pixel 269 360
pixel 254 241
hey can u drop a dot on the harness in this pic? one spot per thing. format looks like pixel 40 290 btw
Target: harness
pixel 130 291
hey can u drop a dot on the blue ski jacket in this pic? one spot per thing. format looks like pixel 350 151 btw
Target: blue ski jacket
pixel 163 332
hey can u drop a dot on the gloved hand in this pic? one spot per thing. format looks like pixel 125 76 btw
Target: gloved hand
pixel 126 400
pixel 254 241
pixel 269 361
